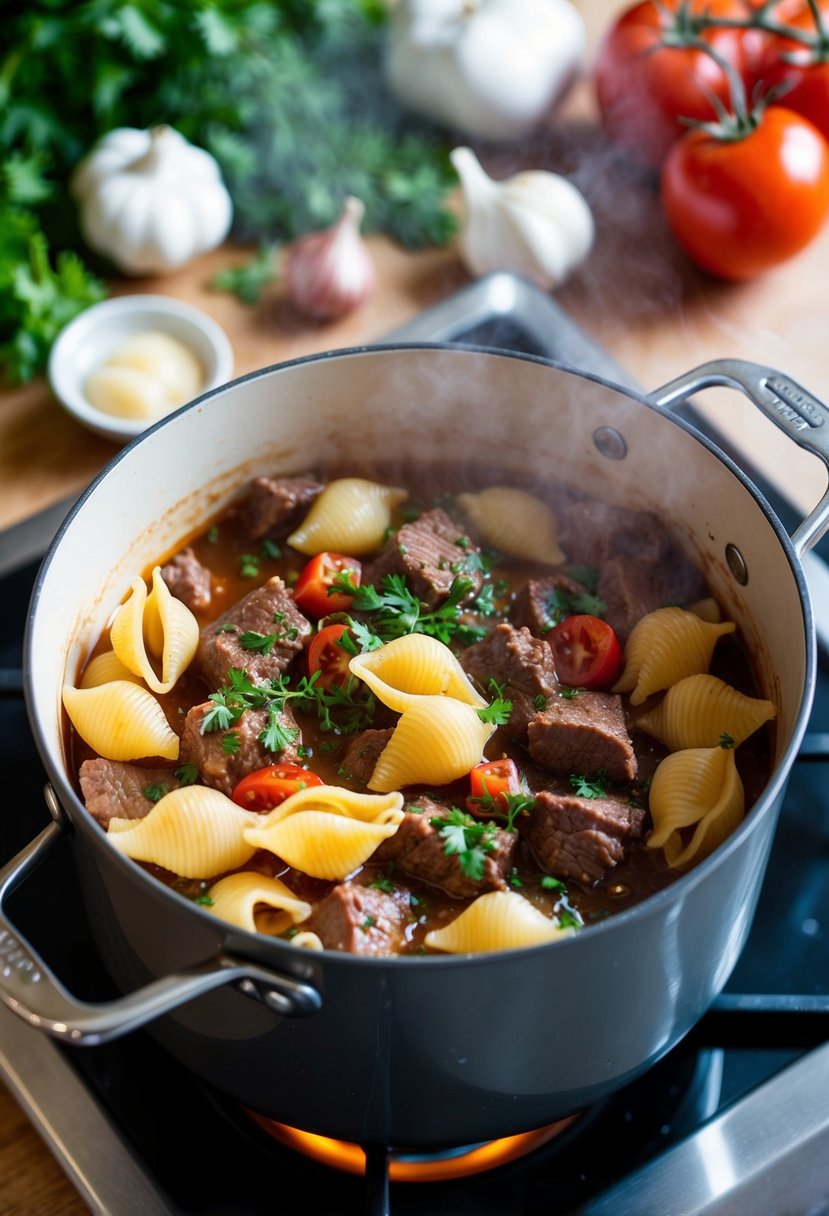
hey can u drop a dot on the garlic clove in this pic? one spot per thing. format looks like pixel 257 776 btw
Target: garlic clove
pixel 126 393
pixel 163 358
pixel 330 273
pixel 536 224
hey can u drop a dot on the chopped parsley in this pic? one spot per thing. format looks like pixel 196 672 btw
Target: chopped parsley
pixel 467 839
pixel 231 743
pixel 590 786
pixel 726 742
pixel 154 793
pixel 394 610
pixel 187 774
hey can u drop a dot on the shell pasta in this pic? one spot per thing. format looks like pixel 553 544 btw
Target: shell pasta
pixel 699 710
pixel 121 721
pixel 242 898
pixel 326 831
pixel 193 831
pixel 351 515
pixel 157 622
pixel 414 665
pixel 514 522
pixel 696 786
pixel 500 920
pixel 664 647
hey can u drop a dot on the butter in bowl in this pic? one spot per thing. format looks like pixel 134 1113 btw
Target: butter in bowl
pixel 126 363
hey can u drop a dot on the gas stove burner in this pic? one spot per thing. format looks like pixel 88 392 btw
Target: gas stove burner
pixel 406 1166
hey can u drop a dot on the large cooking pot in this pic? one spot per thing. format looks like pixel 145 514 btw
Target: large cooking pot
pixel 435 1050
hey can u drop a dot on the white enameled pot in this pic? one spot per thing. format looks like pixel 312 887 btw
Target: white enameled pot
pixel 434 1050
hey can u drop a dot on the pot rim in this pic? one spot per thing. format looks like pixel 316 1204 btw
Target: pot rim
pixel 233 937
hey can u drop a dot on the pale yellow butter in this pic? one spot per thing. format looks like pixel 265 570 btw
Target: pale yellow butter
pixel 146 377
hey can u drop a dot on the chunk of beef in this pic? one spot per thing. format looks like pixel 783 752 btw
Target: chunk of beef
pixel 269 611
pixel 592 532
pixel 583 734
pixel 188 580
pixel 417 849
pixel 221 769
pixel 362 754
pixel 359 920
pixel 543 602
pixel 580 838
pixel 519 662
pixel 431 552
pixel 632 588
pixel 275 505
pixel 113 790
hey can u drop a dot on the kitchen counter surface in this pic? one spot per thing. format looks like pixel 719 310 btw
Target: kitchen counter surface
pixel 636 295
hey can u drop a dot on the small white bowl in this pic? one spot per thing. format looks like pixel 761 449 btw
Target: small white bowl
pixel 85 343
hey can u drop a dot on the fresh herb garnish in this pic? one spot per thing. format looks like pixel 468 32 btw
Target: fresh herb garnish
pixel 467 839
pixel 395 611
pixel 590 786
pixel 231 743
pixel 248 280
pixel 154 793
pixel 187 774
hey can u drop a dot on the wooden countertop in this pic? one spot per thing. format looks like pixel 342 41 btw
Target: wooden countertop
pixel 636 295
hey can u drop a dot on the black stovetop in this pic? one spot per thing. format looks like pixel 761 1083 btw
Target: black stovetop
pixel 225 1166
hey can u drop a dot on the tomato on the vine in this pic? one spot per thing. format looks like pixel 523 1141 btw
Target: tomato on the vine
pixel 490 784
pixel 328 657
pixel 312 589
pixel 799 71
pixel 587 652
pixel 740 204
pixel 265 788
pixel 648 74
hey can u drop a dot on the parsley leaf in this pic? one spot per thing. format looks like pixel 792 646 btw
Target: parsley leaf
pixel 586 786
pixel 467 839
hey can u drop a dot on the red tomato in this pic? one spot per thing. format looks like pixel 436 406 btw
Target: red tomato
pixel 643 87
pixel 326 656
pixel 311 592
pixel 802 72
pixel 587 652
pixel 489 785
pixel 267 787
pixel 739 207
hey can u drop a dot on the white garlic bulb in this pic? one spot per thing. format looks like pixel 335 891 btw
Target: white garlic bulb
pixel 150 200
pixel 535 224
pixel 329 273
pixel 486 68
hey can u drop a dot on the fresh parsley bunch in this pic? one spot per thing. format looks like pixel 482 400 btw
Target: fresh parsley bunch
pixel 286 94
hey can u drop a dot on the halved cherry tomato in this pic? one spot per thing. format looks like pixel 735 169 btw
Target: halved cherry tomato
pixel 311 591
pixel 587 652
pixel 267 787
pixel 326 656
pixel 489 785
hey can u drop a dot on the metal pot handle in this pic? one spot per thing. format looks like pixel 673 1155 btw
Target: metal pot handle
pixel 802 416
pixel 31 990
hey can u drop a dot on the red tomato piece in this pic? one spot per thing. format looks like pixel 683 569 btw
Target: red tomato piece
pixel 312 590
pixel 326 656
pixel 587 652
pixel 489 785
pixel 265 788
pixel 644 87
pixel 741 206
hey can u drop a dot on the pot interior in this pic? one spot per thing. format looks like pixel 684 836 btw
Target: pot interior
pixel 395 406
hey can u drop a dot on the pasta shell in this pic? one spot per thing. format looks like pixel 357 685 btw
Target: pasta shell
pixel 121 721
pixel 414 664
pixel 193 831
pixel 351 516
pixel 514 522
pixel 695 786
pixel 498 920
pixel 664 647
pixel 307 940
pixel 436 740
pixel 699 710
pixel 236 898
pixel 105 668
pixel 327 831
pixel 157 622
